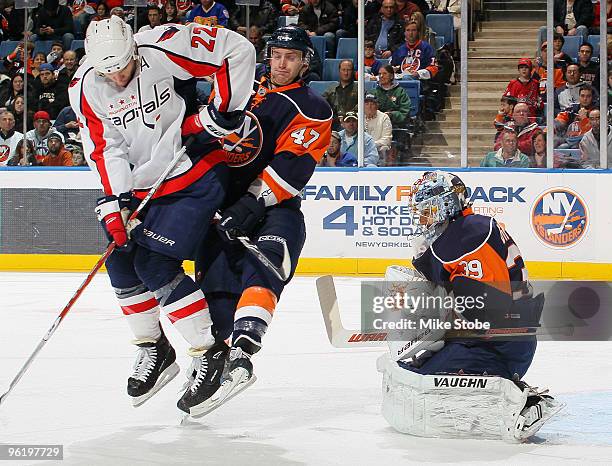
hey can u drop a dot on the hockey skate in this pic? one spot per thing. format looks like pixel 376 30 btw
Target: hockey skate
pixel 204 376
pixel 155 366
pixel 237 376
pixel 537 411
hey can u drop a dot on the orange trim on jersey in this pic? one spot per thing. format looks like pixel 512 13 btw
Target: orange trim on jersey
pixel 494 270
pixel 280 193
pixel 183 180
pixel 258 296
pixel 467 211
pixel 313 140
pixel 263 85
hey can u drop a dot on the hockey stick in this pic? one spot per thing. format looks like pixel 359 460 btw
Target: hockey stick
pixel 340 337
pixel 90 275
pixel 282 272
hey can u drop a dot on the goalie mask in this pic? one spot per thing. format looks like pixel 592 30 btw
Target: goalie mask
pixel 437 198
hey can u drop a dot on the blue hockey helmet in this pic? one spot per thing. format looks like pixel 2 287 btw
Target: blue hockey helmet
pixel 293 38
pixel 437 198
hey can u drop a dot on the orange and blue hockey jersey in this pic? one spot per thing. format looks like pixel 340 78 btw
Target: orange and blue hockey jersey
pixel 476 257
pixel 419 58
pixel 285 134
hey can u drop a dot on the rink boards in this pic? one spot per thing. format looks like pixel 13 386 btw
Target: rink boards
pixel 358 221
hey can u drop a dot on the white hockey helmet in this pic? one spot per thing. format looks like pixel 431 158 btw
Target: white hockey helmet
pixel 109 45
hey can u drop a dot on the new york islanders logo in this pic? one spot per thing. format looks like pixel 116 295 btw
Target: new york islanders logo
pixel 168 33
pixel 243 145
pixel 5 151
pixel 559 218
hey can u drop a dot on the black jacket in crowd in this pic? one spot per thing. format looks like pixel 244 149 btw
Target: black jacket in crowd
pixel 584 12
pixel 327 22
pixel 61 21
pixel 395 36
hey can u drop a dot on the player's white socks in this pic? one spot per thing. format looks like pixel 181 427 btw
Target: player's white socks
pixel 141 310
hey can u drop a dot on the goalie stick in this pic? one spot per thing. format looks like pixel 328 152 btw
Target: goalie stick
pixel 341 337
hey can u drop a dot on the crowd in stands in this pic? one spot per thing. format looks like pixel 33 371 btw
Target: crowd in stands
pixel 521 121
pixel 401 49
pixel 408 67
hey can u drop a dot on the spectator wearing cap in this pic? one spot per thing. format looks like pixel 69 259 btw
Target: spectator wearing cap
pixel 378 125
pixel 342 97
pixel 569 94
pixel 57 155
pixel 524 126
pixel 8 137
pixel 349 141
pixel 40 133
pixel 56 55
pixel 334 158
pixel 66 123
pixel 49 95
pixel 118 11
pixel 54 22
pixel 508 154
pixel 541 73
pixel 526 88
pixel 392 98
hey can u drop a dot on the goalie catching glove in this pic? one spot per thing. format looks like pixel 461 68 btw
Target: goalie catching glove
pixel 210 124
pixel 242 218
pixel 113 213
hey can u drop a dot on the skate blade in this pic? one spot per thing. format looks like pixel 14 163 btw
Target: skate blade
pixel 164 378
pixel 226 392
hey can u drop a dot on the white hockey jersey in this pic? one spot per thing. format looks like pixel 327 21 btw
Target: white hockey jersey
pixel 130 135
pixel 8 146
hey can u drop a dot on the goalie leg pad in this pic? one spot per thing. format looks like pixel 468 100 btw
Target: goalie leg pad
pixel 458 406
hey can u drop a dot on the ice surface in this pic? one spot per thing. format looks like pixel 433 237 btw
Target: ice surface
pixel 312 404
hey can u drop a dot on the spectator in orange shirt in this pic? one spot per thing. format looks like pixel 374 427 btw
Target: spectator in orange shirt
pixel 540 71
pixel 57 156
pixel 574 121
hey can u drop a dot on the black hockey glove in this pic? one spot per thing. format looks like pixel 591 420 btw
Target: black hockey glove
pixel 210 124
pixel 241 218
pixel 113 213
